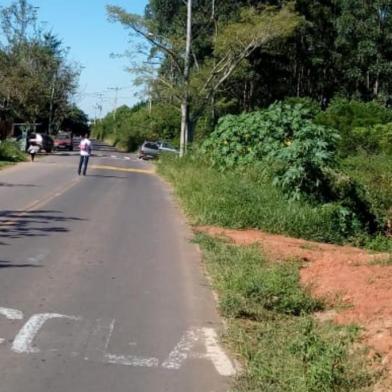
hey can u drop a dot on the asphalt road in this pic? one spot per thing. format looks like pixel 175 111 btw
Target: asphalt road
pixel 100 288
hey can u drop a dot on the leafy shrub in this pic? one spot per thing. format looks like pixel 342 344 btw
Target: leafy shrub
pixel 346 116
pixel 9 151
pixel 283 136
pixel 311 105
pixel 373 139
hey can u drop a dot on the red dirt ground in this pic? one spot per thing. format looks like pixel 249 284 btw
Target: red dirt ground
pixel 342 275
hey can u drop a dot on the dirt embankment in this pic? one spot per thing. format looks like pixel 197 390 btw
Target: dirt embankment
pixel 347 278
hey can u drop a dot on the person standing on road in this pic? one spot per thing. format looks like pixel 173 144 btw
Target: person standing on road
pixel 85 152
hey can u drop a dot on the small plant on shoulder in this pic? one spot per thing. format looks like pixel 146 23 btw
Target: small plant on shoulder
pixel 10 152
pixel 324 353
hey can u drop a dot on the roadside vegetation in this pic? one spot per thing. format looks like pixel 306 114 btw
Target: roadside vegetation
pixel 10 152
pixel 283 171
pixel 271 327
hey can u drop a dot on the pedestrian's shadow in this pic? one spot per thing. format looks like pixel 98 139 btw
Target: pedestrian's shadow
pixel 27 224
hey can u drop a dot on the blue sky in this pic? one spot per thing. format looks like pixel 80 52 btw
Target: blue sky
pixel 83 27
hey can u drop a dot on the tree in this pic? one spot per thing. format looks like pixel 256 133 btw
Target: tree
pixel 364 45
pixel 75 121
pixel 186 79
pixel 36 81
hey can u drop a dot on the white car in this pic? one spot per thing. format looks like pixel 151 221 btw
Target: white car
pixel 166 147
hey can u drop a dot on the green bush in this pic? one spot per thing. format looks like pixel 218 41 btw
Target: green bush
pixel 284 137
pixel 129 127
pixel 373 173
pixel 373 139
pixel 355 121
pixel 9 151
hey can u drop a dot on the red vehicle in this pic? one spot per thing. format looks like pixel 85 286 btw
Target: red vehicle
pixel 63 141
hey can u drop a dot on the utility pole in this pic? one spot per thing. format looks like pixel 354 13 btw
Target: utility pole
pixel 98 106
pixel 51 105
pixel 116 90
pixel 185 99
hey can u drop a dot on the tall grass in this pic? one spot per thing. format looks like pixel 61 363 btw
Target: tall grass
pixel 247 199
pixel 272 330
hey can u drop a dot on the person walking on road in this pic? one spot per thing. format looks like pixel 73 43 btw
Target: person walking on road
pixel 32 150
pixel 85 152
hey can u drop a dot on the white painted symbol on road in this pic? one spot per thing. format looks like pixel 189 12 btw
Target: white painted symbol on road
pixel 24 339
pixel 97 343
pixel 214 353
pixel 97 348
pixel 181 351
pixel 11 314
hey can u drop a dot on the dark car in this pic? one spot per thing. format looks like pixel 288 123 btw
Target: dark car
pixel 149 150
pixel 45 141
pixel 63 141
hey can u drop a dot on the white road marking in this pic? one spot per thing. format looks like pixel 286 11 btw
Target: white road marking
pixel 216 355
pixel 182 349
pixel 24 339
pixel 99 344
pixel 127 158
pixel 130 360
pixel 98 340
pixel 214 352
pixel 11 314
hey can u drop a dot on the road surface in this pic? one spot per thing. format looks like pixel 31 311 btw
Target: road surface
pixel 100 288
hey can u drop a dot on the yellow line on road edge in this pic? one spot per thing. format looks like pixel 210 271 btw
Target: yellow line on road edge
pixel 122 169
pixel 38 204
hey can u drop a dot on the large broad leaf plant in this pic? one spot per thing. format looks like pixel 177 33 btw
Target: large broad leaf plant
pixel 298 152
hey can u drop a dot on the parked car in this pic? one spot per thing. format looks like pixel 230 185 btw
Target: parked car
pixel 47 143
pixel 63 141
pixel 167 147
pixel 43 140
pixel 149 150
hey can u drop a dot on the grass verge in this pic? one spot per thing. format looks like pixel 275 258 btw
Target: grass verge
pixel 271 328
pixel 248 200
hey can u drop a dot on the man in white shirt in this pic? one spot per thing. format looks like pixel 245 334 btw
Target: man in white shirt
pixel 85 152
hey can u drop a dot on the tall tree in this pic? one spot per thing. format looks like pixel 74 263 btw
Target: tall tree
pixel 36 81
pixel 237 39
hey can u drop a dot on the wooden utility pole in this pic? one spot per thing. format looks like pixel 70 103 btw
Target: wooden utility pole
pixel 185 99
